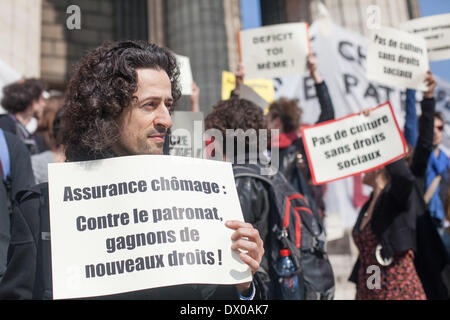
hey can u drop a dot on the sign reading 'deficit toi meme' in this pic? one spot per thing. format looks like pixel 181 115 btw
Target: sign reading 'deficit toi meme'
pixel 274 51
pixel 353 144
pixel 397 58
pixel 138 222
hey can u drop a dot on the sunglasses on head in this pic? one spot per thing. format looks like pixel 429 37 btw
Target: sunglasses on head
pixel 440 128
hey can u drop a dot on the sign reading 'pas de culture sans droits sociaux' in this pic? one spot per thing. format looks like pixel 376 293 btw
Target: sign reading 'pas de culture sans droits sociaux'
pixel 397 58
pixel 353 144
pixel 274 51
pixel 138 222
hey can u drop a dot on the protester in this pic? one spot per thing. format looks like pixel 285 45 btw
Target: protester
pixel 16 174
pixel 241 123
pixel 51 122
pixel 431 258
pixel 24 101
pixel 394 231
pixel 118 103
pixel 437 169
pixel 242 114
pixel 285 115
pixel 385 237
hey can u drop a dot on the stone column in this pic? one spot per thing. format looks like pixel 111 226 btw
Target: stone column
pixel 196 29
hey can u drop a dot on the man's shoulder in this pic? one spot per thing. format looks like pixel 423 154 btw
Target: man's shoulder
pixel 7 123
pixel 11 139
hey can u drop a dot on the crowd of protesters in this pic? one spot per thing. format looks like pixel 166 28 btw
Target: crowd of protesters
pixel 119 102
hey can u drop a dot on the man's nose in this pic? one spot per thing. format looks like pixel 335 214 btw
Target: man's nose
pixel 163 117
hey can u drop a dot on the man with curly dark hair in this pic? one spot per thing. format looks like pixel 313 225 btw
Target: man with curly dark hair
pixel 24 101
pixel 118 103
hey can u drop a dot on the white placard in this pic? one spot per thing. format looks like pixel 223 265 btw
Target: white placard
pixel 274 51
pixel 186 134
pixel 186 78
pixel 398 58
pixel 354 144
pixel 436 31
pixel 132 223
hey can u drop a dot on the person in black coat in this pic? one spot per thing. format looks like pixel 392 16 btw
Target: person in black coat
pixel 20 177
pixel 401 224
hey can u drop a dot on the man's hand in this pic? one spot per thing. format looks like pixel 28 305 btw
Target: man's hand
pixel 311 63
pixel 431 84
pixel 366 112
pixel 246 241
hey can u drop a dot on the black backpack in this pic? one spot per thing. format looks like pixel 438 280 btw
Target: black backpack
pixel 294 226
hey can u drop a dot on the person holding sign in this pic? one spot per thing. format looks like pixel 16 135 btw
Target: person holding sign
pixel 401 237
pixel 285 115
pixel 432 261
pixel 386 239
pixel 118 103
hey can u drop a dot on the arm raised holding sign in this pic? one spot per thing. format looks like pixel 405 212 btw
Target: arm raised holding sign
pixel 326 104
pixel 424 144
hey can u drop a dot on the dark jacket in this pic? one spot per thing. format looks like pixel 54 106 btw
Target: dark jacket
pixel 21 176
pixel 28 275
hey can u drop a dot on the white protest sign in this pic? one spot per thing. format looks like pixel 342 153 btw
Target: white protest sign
pixel 186 135
pixel 132 223
pixel 436 31
pixel 273 51
pixel 398 58
pixel 354 144
pixel 185 74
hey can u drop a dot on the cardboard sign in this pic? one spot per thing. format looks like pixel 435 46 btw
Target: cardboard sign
pixel 273 51
pixel 133 223
pixel 246 92
pixel 398 58
pixel 354 144
pixel 185 75
pixel 436 31
pixel 263 87
pixel 186 134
